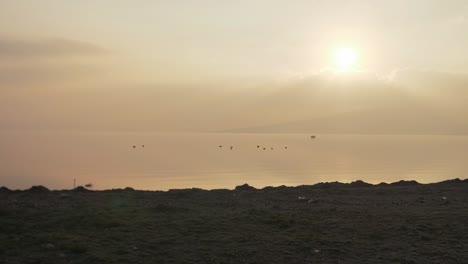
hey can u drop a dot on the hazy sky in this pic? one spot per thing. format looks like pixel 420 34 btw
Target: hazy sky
pixel 216 65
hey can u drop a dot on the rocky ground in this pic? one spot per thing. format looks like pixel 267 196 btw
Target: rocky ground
pixel 403 222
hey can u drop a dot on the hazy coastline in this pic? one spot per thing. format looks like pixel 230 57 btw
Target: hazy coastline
pixel 184 160
pixel 335 184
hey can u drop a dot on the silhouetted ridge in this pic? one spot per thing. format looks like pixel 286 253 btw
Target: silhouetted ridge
pixel 185 192
pixel 453 181
pixel 404 183
pixel 268 188
pixel 80 189
pixel 4 189
pixel 38 189
pixel 329 184
pixel 245 187
pixel 360 183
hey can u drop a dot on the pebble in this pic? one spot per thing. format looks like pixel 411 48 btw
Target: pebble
pixel 49 246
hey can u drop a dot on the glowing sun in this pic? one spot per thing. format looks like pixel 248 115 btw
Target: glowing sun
pixel 345 58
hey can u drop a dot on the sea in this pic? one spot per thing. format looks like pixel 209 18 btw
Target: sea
pixel 163 161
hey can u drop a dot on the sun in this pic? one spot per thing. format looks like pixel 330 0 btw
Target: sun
pixel 345 58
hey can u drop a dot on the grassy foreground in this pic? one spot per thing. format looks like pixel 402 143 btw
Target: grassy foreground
pixel 403 222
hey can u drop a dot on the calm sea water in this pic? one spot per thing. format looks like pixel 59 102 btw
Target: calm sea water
pixel 185 160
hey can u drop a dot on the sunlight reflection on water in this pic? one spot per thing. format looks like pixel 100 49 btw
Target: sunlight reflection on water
pixel 184 160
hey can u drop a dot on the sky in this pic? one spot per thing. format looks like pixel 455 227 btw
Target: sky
pixel 118 65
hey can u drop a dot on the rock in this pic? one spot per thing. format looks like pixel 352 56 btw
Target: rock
pixel 192 190
pixel 38 189
pixel 452 181
pixel 4 189
pixel 327 185
pixel 48 246
pixel 64 195
pixel 80 189
pixel 245 187
pixel 404 183
pixel 360 183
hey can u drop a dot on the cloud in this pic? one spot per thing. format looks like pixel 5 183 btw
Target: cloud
pixel 430 81
pixel 17 48
pixel 411 101
pixel 457 21
pixel 25 61
pixel 46 74
pixel 230 105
